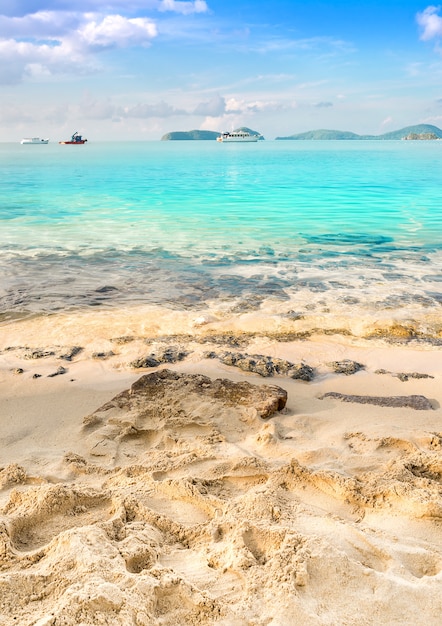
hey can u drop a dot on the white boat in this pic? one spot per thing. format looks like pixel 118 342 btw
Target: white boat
pixel 237 136
pixel 34 140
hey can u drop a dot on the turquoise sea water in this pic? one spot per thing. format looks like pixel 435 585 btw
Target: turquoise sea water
pixel 304 224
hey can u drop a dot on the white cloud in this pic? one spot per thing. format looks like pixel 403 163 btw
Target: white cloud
pixel 430 22
pixel 90 29
pixel 213 108
pixel 40 38
pixel 37 70
pixel 312 84
pixel 247 107
pixel 265 106
pixel 144 110
pixel 43 24
pixel 97 109
pixel 18 58
pixel 105 109
pixel 185 8
pixel 117 31
pixel 23 7
pixel 48 43
pixel 13 113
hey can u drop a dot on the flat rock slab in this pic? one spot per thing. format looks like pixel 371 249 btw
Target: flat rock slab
pixel 265 399
pixel 420 403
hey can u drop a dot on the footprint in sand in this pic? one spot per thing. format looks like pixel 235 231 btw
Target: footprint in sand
pixel 39 515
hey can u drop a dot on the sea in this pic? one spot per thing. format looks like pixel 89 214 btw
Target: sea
pixel 312 230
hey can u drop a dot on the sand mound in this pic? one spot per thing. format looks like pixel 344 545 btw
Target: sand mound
pixel 203 501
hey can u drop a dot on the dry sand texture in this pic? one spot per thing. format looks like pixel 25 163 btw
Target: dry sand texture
pixel 165 497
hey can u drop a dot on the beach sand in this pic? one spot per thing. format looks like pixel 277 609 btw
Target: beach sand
pixel 190 501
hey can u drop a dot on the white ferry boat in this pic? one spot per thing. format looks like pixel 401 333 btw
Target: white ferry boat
pixel 238 136
pixel 34 140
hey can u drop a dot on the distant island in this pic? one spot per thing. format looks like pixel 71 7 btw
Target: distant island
pixel 419 131
pixel 186 135
pixel 202 135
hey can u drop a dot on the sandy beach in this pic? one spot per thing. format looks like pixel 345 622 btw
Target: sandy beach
pixel 150 477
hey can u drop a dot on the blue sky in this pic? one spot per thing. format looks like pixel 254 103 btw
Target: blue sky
pixel 136 69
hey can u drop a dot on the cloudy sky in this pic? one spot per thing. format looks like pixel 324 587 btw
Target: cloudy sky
pixel 136 69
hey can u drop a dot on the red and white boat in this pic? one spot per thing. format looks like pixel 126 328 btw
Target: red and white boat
pixel 75 140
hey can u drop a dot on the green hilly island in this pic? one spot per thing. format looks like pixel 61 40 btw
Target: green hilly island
pixel 186 135
pixel 419 131
pixel 201 135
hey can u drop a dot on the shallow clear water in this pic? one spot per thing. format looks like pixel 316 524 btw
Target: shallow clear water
pixel 304 224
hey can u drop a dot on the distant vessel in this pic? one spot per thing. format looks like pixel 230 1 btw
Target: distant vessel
pixel 34 141
pixel 238 136
pixel 76 140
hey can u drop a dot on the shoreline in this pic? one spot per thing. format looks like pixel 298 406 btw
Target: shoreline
pixel 271 319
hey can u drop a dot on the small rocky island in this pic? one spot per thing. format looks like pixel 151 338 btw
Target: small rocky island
pixel 421 137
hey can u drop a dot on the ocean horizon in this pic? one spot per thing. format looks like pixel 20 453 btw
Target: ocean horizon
pixel 345 228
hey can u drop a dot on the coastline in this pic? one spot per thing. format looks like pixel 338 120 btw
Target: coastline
pixel 216 515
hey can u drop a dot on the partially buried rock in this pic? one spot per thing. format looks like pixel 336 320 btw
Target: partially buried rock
pixel 404 376
pixel 265 365
pixel 419 403
pixel 37 354
pixel 266 399
pixel 301 371
pixel 169 403
pixel 59 371
pixel 69 353
pixel 345 366
pixel 103 355
pixel 179 409
pixel 168 354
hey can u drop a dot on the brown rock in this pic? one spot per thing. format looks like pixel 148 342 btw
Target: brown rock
pixel 420 403
pixel 167 406
pixel 266 399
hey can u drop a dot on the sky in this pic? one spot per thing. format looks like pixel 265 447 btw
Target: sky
pixel 137 69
